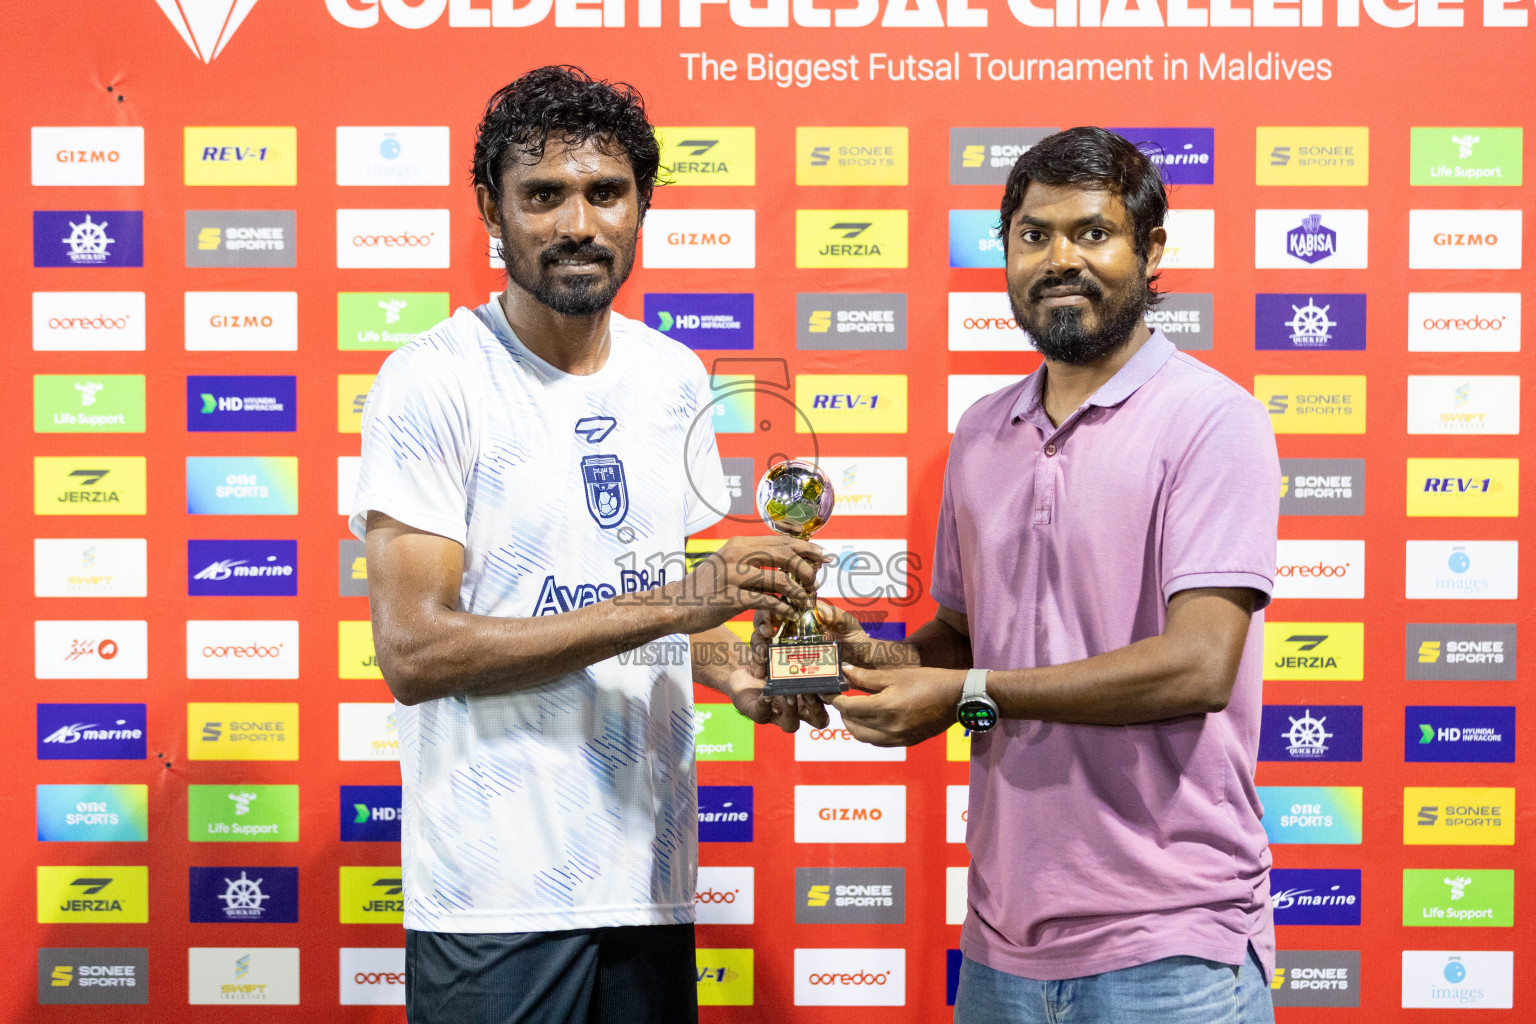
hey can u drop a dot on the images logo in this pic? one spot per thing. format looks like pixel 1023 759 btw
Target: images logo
pixel 1478 980
pixel 378 239
pixel 243 485
pixel 88 321
pixel 850 895
pixel 392 156
pixel 725 814
pixel 691 239
pixel 720 734
pixel 243 814
pixel 850 977
pixel 1313 404
pixel 721 320
pixel 1464 239
pixel 1458 898
pixel 89 567
pixel 1458 817
pixel 846 321
pixel 1461 734
pixel 709 156
pixel 373 977
pixel 75 976
pixel 91 649
pixel 725 977
pixel 1457 652
pixel 1463 321
pixel 1463 405
pixel 724 895
pixel 850 814
pixel 839 404
pixel 90 732
pixel 242 732
pixel 974 240
pixel 92 814
pixel 836 743
pixel 1313 156
pixel 1463 487
pixel 1302 239
pixel 1184 156
pixel 1186 319
pixel 1307 977
pixel 1463 569
pixel 87 238
pixel 372 895
pixel 1314 650
pixel 206 26
pixel 383 321
pixel 851 156
pixel 248 568
pixel 102 403
pixel 240 156
pixel 1315 896
pixel 1293 732
pixel 242 975
pixel 88 155
pixel 249 895
pixel 1312 814
pixel 984 156
pixel 1320 568
pixel 88 485
pixel 1463 156
pixel 1309 322
pixel 240 238
pixel 850 238
pixel 116 894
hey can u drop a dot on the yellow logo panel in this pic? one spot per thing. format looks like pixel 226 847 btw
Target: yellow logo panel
pixel 242 732
pixel 354 651
pixel 240 156
pixel 725 976
pixel 1310 404
pixel 351 390
pixel 835 403
pixel 372 896
pixel 89 485
pixel 957 743
pixel 851 238
pixel 1453 816
pixel 1463 487
pixel 851 156
pixel 1314 650
pixel 98 894
pixel 1313 156
pixel 709 156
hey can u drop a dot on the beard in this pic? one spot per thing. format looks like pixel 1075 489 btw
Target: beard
pixel 1059 332
pixel 586 295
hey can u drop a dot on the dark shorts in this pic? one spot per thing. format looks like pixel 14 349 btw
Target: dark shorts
pixel 635 975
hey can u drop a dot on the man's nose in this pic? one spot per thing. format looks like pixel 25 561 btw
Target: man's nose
pixel 576 219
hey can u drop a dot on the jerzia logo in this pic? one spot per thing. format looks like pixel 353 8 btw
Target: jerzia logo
pixel 206 26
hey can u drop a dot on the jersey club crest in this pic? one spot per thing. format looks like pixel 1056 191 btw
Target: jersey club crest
pixel 607 495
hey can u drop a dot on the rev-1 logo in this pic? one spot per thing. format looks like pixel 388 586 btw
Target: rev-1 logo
pixel 845 401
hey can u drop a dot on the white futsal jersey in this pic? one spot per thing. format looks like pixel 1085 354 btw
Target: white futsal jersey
pixel 570 804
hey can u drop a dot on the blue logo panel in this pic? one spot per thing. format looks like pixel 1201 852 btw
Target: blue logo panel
pixel 1309 322
pixel 952 961
pixel 243 485
pixel 1312 814
pixel 1315 895
pixel 725 814
pixel 242 568
pixel 243 895
pixel 1483 735
pixel 87 238
pixel 720 320
pixel 885 630
pixel 1310 732
pixel 1184 156
pixel 242 403
pixel 370 814
pixel 92 814
pixel 90 732
pixel 973 239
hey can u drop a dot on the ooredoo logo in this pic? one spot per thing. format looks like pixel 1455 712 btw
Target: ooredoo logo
pixel 1320 568
pixel 836 743
pixel 1463 321
pixel 724 895
pixel 373 977
pixel 984 322
pixel 242 649
pixel 850 977
pixel 370 239
pixel 850 814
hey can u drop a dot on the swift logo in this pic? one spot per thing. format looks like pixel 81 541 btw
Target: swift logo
pixel 206 26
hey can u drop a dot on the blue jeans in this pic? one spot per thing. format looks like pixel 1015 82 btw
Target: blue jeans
pixel 1177 990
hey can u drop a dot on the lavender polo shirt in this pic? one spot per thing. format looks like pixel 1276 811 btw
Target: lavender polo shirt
pixel 1095 848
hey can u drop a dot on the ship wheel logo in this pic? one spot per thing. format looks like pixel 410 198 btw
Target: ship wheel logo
pixel 1310 325
pixel 88 241
pixel 243 897
pixel 1307 737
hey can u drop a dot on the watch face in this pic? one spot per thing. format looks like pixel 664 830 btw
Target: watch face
pixel 977 716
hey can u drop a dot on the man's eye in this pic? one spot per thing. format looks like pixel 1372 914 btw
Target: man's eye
pixel 1097 235
pixel 544 195
pixel 1034 236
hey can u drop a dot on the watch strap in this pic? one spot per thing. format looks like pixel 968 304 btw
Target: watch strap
pixel 975 684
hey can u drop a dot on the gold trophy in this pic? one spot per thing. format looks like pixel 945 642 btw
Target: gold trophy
pixel 795 498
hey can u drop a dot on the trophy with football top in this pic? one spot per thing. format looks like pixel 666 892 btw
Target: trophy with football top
pixel 795 498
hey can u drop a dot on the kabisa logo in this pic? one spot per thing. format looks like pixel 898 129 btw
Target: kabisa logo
pixel 377 239
pixel 1183 156
pixel 89 485
pixel 1315 896
pixel 392 155
pixel 243 485
pixel 244 895
pixel 219 568
pixel 1186 319
pixel 242 732
pixel 88 321
pixel 1484 735
pixel 1439 816
pixel 984 156
pixel 240 156
pixel 851 238
pixel 1309 322
pixel 1312 814
pixel 850 895
pixel 1312 156
pixel 709 156
pixel 684 239
pixel 370 814
pixel 383 321
pixel 243 814
pixel 92 975
pixel 114 894
pixel 1486 569
pixel 847 320
pixel 1311 241
pixel 1465 979
pixel 241 238
pixel 850 977
pixel 1313 404
pixel 1463 156
pixel 1463 487
pixel 242 403
pixel 1305 977
pixel 721 320
pixel 725 814
pixel 1465 239
pixel 1314 650
pixel 1458 898
pixel 87 238
pixel 206 26
pixel 851 156
pixel 101 403
pixel 94 732
pixel 1459 651
pixel 372 895
pixel 1294 732
pixel 88 155
pixel 974 240
pixel 92 813
pixel 1318 239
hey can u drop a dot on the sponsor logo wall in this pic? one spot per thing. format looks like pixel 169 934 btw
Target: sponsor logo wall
pixel 828 243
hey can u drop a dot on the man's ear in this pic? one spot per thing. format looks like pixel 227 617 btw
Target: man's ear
pixel 1156 243
pixel 490 211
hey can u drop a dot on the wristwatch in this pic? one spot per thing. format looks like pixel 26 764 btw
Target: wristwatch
pixel 976 711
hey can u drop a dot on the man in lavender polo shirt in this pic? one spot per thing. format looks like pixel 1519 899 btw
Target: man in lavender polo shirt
pixel 1106 544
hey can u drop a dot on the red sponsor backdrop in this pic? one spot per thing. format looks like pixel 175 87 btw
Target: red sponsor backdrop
pixel 293 63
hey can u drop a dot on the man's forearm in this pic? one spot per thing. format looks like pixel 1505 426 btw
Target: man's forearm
pixel 935 645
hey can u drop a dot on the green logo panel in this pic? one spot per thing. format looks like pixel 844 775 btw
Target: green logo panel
pixel 1458 898
pixel 98 403
pixel 1466 156
pixel 383 321
pixel 243 814
pixel 721 734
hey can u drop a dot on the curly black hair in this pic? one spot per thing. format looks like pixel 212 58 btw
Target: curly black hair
pixel 565 103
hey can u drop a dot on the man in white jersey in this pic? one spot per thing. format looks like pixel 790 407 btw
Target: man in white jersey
pixel 530 471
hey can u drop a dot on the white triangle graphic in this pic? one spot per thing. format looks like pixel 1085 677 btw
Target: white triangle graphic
pixel 206 26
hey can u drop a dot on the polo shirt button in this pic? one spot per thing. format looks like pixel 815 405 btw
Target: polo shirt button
pixel 1050 449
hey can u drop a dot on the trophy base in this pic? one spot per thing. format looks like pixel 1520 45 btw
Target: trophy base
pixel 803 665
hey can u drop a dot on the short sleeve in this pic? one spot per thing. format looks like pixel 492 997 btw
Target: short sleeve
pixel 948 583
pixel 708 498
pixel 1223 506
pixel 417 446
